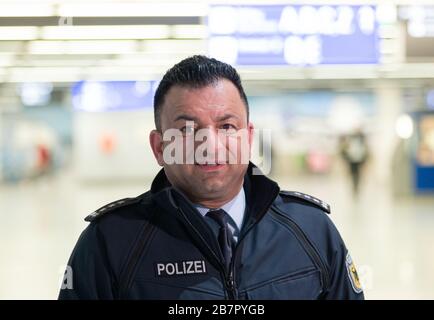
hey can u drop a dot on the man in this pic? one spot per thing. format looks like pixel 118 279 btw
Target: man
pixel 210 227
pixel 354 150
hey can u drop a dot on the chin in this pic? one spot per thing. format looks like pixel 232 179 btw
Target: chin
pixel 214 187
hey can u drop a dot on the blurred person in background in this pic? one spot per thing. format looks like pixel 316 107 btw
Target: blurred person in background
pixel 354 151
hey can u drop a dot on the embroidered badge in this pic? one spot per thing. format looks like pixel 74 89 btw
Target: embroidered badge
pixel 352 274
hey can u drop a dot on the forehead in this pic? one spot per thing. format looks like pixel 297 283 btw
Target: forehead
pixel 221 96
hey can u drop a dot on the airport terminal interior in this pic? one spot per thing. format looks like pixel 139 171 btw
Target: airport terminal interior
pixel 343 89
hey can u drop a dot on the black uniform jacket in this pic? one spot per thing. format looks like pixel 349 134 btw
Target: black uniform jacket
pixel 158 246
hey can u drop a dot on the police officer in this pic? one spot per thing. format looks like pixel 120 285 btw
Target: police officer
pixel 209 229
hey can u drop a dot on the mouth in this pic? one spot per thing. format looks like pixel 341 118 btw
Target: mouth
pixel 210 166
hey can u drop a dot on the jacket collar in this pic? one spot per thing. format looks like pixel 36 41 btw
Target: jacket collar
pixel 260 193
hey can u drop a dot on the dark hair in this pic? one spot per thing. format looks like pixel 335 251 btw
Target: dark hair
pixel 196 72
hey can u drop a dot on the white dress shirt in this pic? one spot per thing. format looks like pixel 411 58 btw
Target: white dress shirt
pixel 234 208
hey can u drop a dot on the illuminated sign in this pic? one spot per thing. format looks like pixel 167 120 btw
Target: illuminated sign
pixel 294 34
pixel 420 20
pixel 97 96
pixel 419 41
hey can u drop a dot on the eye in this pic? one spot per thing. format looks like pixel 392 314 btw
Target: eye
pixel 228 126
pixel 187 130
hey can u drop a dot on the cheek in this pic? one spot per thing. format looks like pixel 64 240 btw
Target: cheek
pixel 180 174
pixel 239 147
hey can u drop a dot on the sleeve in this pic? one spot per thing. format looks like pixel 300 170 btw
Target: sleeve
pixel 88 274
pixel 344 282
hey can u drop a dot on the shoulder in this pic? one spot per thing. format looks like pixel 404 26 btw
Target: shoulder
pixel 119 207
pixel 303 198
pixel 112 231
pixel 310 213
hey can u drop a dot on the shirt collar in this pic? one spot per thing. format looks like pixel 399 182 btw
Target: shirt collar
pixel 234 208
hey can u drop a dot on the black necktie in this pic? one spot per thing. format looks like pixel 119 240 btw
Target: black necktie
pixel 225 237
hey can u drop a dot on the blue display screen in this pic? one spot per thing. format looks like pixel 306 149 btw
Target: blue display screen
pixel 99 96
pixel 294 34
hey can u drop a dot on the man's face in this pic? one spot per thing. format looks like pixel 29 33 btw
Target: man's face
pixel 216 112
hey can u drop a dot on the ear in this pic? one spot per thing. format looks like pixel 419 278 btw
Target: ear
pixel 156 142
pixel 251 130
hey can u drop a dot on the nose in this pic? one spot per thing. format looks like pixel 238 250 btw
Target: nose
pixel 212 148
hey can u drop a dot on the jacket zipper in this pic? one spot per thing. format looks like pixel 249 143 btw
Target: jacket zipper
pixel 229 283
pixel 231 277
pixel 306 244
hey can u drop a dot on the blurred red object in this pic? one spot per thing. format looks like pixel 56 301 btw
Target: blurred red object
pixel 107 143
pixel 318 162
pixel 43 156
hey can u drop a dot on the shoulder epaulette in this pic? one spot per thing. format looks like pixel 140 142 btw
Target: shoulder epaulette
pixel 315 201
pixel 110 207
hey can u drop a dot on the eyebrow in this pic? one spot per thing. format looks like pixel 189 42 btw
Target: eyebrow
pixel 227 116
pixel 185 117
pixel 192 118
